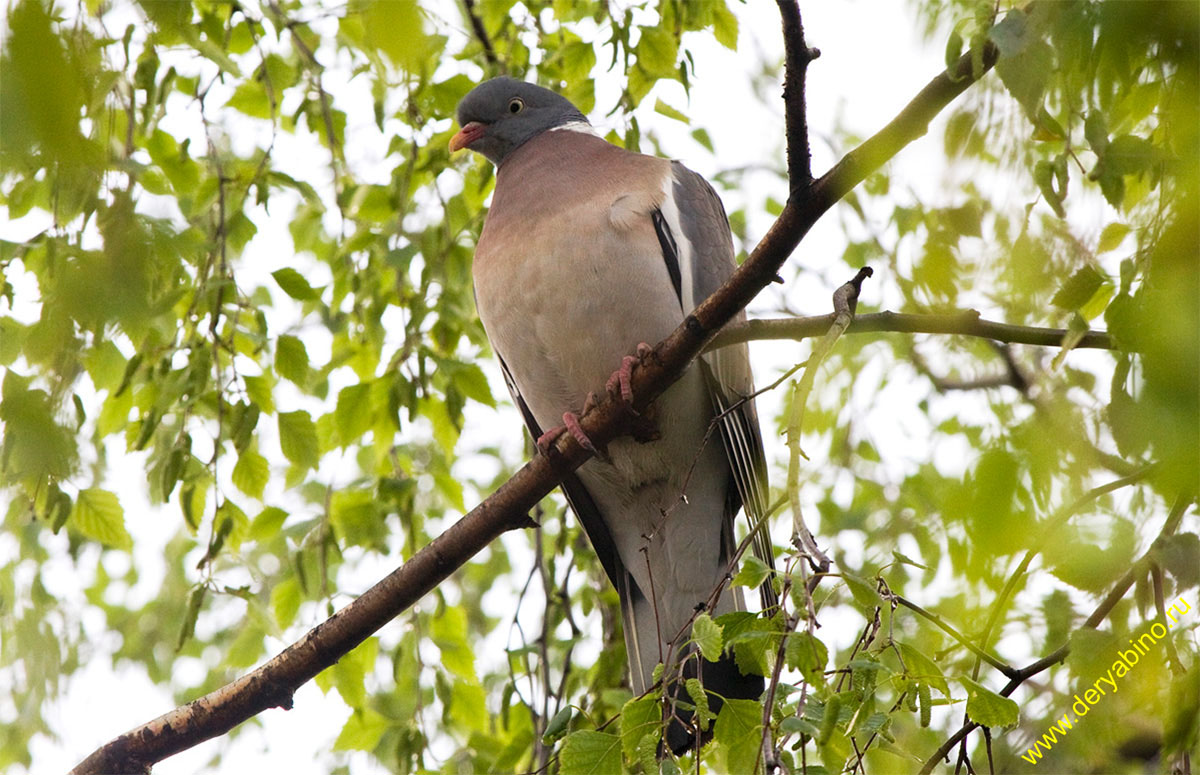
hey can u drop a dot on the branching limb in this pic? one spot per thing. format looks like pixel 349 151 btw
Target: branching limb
pixel 1008 670
pixel 273 684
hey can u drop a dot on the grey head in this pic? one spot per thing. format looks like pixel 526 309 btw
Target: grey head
pixel 497 116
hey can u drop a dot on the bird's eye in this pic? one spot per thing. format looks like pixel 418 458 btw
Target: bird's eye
pixel 516 105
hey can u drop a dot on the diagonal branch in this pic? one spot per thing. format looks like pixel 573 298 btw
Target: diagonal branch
pixel 273 684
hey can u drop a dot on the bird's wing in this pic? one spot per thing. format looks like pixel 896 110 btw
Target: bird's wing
pixel 698 248
pixel 585 508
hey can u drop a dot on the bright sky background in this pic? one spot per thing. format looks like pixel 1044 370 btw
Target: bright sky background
pixel 873 61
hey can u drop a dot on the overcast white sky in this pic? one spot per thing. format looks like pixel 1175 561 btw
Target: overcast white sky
pixel 873 61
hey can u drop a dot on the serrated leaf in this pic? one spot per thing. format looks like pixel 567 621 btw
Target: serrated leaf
pixel 707 635
pixel 349 673
pixel 807 654
pixel 639 718
pixel 988 709
pixel 752 573
pixel 738 732
pixel 923 669
pixel 656 51
pixel 98 515
pixel 590 753
pixel 725 26
pixel 291 359
pixel 298 438
pixel 862 590
pixel 251 473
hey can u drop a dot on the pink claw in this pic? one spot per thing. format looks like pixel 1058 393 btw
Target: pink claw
pixel 570 425
pixel 622 379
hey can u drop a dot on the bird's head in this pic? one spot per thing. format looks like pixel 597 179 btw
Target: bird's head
pixel 497 116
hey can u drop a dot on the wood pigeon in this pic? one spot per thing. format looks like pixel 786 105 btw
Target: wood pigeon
pixel 588 252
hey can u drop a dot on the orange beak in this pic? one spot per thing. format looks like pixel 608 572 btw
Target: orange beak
pixel 471 132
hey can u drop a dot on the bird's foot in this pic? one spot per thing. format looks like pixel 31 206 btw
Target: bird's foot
pixel 620 383
pixel 620 387
pixel 571 425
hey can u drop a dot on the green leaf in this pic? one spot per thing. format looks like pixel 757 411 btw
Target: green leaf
pixel 291 359
pixel 738 732
pixel 105 365
pixel 349 674
pixel 353 413
pixel 707 635
pixel 251 473
pixel 362 731
pixel 670 112
pixel 449 633
pixel 1129 155
pixel 294 284
pixel 725 26
pixel 863 591
pixel 285 601
pixel 657 51
pixel 191 614
pixel 250 98
pixel 1112 236
pixel 809 655
pixel 98 515
pixel 904 559
pixel 639 717
pixel 590 753
pixel 752 573
pixel 921 668
pixel 988 709
pixel 1027 75
pixel 396 27
pixel 298 438
pixel 260 391
pixel 954 46
pixel 1079 288
pixel 267 523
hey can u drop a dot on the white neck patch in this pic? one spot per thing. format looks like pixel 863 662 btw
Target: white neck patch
pixel 577 126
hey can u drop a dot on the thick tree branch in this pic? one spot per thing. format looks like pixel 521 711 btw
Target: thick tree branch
pixel 964 323
pixel 273 684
